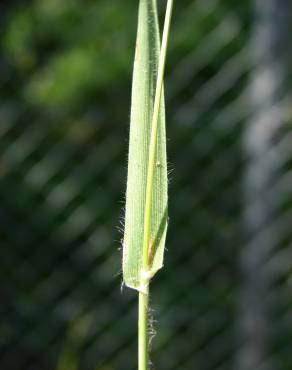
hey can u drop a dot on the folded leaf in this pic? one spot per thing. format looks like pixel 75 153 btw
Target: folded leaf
pixel 143 93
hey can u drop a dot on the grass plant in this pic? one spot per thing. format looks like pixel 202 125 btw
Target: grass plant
pixel 146 198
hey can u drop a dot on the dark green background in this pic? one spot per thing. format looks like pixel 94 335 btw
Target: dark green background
pixel 65 78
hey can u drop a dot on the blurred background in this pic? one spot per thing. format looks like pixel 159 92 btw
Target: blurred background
pixel 224 299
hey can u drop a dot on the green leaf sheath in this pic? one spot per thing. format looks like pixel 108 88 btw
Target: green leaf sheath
pixel 143 94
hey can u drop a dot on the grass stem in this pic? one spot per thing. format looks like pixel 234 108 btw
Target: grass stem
pixel 153 138
pixel 144 296
pixel 143 351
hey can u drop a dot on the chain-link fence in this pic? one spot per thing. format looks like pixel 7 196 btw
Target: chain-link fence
pixel 223 299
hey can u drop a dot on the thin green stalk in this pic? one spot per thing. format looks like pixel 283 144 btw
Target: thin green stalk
pixel 143 331
pixel 143 351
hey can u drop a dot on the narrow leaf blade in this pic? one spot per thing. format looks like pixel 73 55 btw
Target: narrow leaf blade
pixel 143 93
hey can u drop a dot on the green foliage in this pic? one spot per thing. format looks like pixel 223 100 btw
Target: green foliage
pixel 143 93
pixel 76 46
pixel 63 170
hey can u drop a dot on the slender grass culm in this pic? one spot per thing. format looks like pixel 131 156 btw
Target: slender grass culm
pixel 146 198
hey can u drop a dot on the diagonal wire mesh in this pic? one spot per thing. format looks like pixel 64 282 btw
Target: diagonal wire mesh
pixel 223 299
